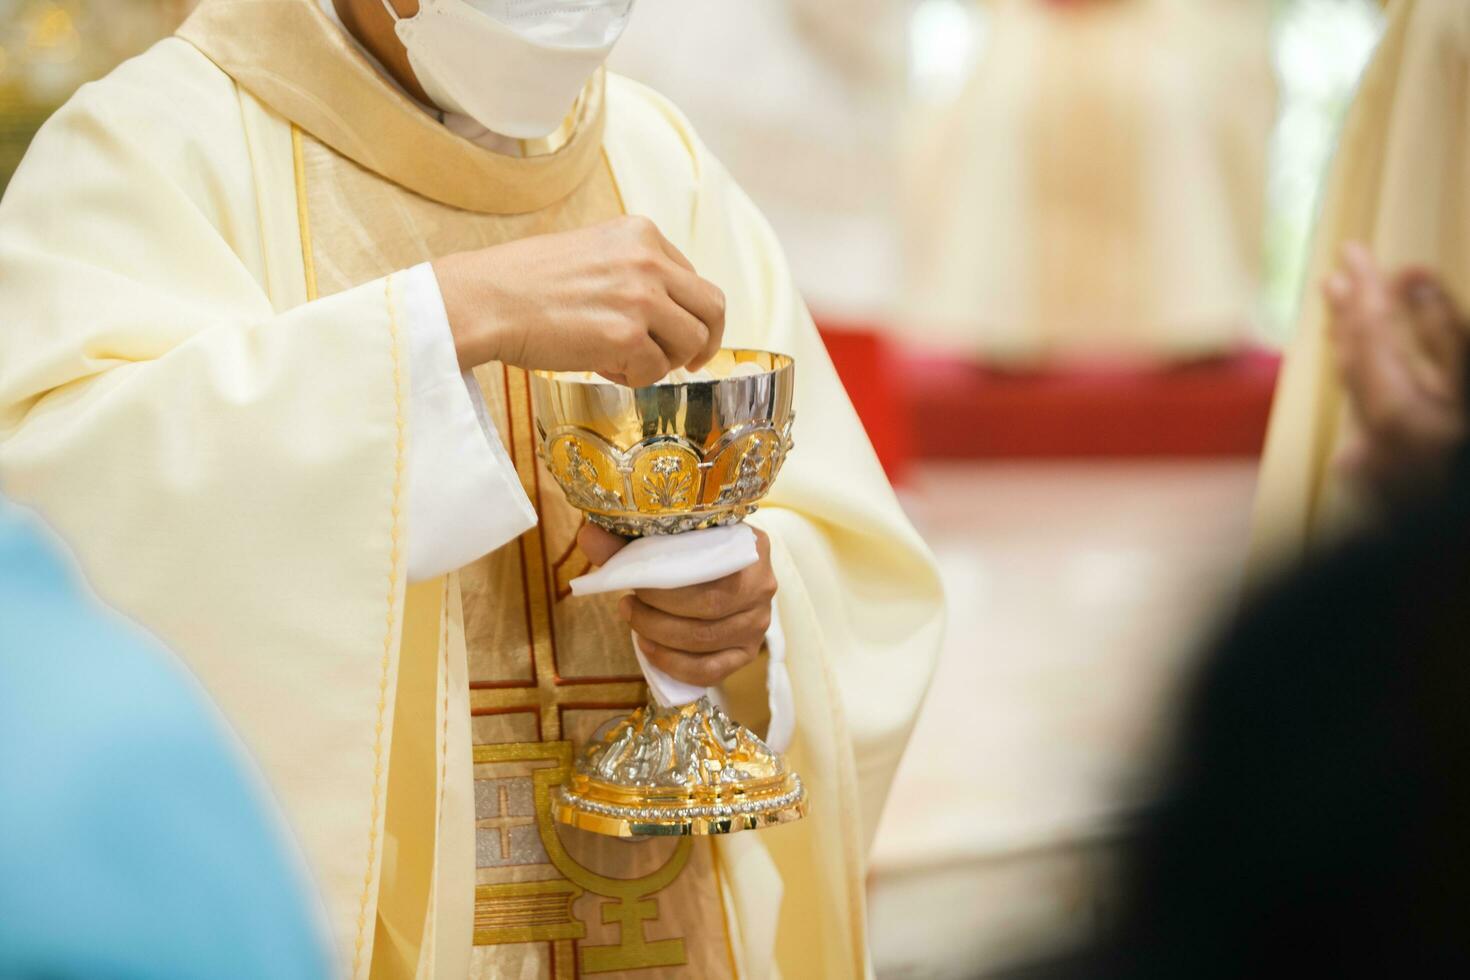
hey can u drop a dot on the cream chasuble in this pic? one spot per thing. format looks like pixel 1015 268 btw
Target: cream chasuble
pixel 202 376
pixel 1401 185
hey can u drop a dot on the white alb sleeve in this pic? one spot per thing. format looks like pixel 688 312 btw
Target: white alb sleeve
pixel 464 498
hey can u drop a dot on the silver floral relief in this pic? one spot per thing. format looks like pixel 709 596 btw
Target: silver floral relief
pixel 670 483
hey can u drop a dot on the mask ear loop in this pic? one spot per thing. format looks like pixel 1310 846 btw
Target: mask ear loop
pixel 397 19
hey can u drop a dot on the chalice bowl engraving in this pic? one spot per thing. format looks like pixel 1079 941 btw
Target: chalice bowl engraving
pixel 672 458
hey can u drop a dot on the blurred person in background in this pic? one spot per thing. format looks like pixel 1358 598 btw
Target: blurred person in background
pixel 241 280
pixel 1392 253
pixel 136 841
pixel 1097 190
pixel 811 130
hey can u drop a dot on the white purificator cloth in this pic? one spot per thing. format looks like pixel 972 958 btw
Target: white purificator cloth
pixel 674 561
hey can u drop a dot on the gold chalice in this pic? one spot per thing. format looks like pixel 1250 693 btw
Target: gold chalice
pixel 668 459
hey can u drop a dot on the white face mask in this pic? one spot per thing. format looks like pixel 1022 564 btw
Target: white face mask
pixel 514 66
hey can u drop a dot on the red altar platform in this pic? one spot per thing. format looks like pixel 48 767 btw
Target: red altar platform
pixel 1209 408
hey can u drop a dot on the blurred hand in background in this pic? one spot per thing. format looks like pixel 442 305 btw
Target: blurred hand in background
pixel 1401 345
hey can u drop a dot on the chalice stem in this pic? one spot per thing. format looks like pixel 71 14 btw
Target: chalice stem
pixel 669 692
pixel 666 691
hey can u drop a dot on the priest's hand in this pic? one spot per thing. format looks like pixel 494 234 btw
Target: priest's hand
pixel 703 633
pixel 1401 345
pixel 616 298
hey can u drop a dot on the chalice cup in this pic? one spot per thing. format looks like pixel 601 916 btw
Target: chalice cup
pixel 669 459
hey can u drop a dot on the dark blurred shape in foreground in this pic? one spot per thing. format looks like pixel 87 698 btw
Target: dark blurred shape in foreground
pixel 1315 823
pixel 134 839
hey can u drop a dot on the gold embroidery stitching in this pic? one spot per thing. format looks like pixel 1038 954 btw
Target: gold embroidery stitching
pixel 303 220
pixel 395 562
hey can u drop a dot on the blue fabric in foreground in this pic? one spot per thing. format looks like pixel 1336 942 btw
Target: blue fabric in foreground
pixel 135 840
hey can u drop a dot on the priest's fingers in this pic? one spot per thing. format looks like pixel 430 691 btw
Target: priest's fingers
pixel 681 336
pixel 702 669
pixel 642 362
pixel 702 298
pixel 645 231
pixel 599 545
pixel 672 250
pixel 705 301
pixel 745 628
pixel 751 587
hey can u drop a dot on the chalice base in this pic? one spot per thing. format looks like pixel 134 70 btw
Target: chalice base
pixel 676 772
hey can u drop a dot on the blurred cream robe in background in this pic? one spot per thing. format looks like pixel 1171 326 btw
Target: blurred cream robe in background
pixel 226 454
pixel 801 100
pixel 1401 185
pixel 1098 188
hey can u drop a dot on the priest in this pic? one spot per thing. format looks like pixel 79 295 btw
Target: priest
pixel 1096 189
pixel 268 297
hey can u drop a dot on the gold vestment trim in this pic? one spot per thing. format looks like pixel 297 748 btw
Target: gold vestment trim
pixel 395 568
pixel 308 260
pixel 288 55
